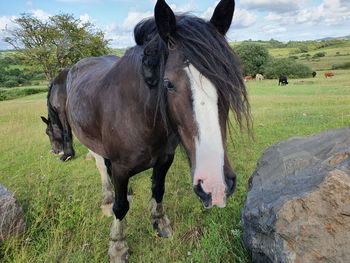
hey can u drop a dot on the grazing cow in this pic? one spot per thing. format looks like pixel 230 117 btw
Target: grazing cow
pixel 259 77
pixel 247 78
pixel 282 80
pixel 328 74
pixel 314 74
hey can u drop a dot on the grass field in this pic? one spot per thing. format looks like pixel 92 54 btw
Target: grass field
pixel 334 55
pixel 61 200
pixel 13 93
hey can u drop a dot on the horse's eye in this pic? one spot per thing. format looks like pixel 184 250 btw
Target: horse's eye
pixel 168 85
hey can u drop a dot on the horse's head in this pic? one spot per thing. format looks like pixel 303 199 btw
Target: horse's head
pixel 203 81
pixel 55 135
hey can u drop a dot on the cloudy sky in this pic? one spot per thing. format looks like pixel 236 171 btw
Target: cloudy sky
pixel 254 19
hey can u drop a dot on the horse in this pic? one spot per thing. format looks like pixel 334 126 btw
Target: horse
pixel 314 74
pixel 259 77
pixel 175 86
pixel 58 128
pixel 282 80
pixel 328 74
pixel 247 78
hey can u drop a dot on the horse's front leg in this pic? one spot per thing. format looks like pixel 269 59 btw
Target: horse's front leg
pixel 118 247
pixel 159 220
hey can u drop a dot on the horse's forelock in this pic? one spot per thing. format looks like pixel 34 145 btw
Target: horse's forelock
pixel 210 53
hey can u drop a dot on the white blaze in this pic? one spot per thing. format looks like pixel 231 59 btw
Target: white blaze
pixel 209 145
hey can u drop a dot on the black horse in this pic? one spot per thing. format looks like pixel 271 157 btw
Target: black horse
pixel 282 80
pixel 58 128
pixel 175 86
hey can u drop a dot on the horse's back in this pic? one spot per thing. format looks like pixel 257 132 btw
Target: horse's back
pixel 84 84
pixel 90 69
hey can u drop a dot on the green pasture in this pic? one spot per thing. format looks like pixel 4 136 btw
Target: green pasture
pixel 13 93
pixel 61 200
pixel 334 55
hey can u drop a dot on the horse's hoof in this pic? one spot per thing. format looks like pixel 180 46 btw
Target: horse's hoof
pixel 118 251
pixel 162 226
pixel 107 209
pixel 66 158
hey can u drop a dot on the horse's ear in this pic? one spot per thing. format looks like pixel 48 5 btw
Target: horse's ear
pixel 165 20
pixel 44 120
pixel 223 15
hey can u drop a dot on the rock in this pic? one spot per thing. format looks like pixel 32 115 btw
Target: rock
pixel 11 215
pixel 298 204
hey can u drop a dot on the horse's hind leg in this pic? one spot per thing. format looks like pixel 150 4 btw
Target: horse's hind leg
pixel 159 220
pixel 118 248
pixel 107 190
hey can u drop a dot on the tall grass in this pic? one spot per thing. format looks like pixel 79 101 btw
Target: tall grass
pixel 61 200
pixel 14 93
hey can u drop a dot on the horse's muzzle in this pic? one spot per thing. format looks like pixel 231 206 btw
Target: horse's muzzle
pixel 207 198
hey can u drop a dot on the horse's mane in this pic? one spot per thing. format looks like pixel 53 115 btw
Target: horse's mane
pixel 208 51
pixel 52 113
pixel 152 63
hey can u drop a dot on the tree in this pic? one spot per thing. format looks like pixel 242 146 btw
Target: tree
pixel 286 66
pixel 253 57
pixel 56 43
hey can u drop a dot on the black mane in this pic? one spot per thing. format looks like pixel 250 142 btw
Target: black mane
pixel 208 51
pixel 52 114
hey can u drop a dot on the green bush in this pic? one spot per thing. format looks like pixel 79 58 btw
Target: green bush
pixel 288 67
pixel 293 57
pixel 253 57
pixel 319 55
pixel 9 94
pixel 10 83
pixel 304 49
pixel 305 55
pixel 38 76
pixel 345 65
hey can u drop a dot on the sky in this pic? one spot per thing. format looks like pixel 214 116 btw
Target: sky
pixel 282 20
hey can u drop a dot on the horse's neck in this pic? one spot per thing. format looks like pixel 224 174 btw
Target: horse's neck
pixel 132 85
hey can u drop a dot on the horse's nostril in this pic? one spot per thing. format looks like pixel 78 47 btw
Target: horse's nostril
pixel 231 185
pixel 205 198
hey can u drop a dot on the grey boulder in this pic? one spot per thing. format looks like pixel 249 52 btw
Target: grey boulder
pixel 298 204
pixel 11 215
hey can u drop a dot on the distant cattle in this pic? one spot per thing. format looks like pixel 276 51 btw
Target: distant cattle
pixel 259 77
pixel 314 74
pixel 246 78
pixel 282 80
pixel 328 74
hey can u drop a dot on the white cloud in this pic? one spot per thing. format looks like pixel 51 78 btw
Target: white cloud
pixel 6 23
pixel 40 14
pixel 241 19
pixel 270 29
pixel 272 5
pixel 85 18
pixel 328 13
pixel 133 18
